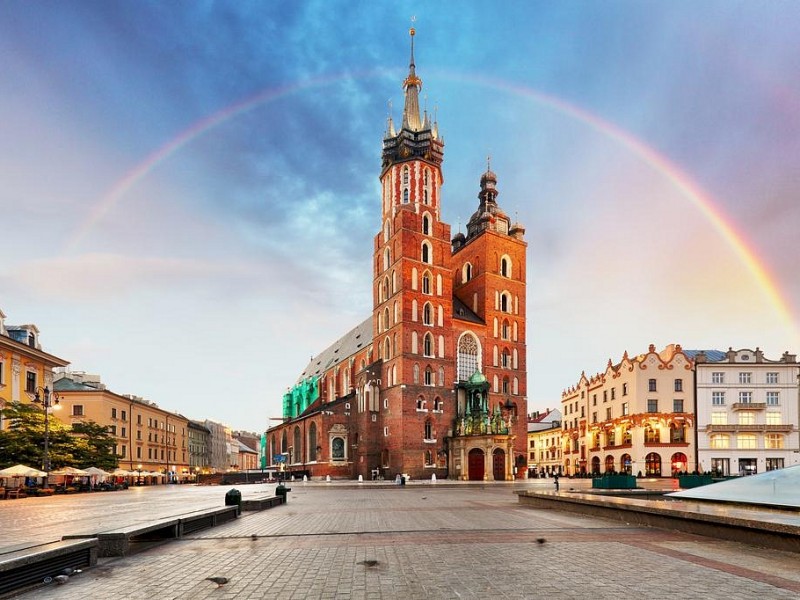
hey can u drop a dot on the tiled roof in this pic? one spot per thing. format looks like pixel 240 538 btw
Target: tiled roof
pixel 351 342
pixel 711 355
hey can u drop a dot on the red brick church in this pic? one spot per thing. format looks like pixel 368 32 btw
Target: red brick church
pixel 434 381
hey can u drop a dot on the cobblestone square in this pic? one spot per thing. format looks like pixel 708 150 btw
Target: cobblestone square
pixel 433 542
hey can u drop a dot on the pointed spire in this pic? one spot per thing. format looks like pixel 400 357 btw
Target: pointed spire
pixel 412 86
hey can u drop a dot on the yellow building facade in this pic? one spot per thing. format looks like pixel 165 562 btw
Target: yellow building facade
pixel 635 417
pixel 24 366
pixel 148 438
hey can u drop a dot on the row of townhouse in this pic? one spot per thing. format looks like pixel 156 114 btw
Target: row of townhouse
pixel 662 413
pixel 149 439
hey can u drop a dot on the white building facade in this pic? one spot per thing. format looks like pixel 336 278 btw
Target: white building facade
pixel 748 409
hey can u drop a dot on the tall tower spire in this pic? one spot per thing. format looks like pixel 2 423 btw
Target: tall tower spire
pixel 412 86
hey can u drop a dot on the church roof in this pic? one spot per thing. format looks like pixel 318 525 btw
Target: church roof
pixel 463 312
pixel 351 342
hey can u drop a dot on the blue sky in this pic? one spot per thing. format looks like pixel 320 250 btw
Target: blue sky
pixel 208 282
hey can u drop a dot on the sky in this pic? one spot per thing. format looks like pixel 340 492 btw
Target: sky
pixel 189 190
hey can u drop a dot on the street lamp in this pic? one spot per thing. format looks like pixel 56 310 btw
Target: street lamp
pixel 47 399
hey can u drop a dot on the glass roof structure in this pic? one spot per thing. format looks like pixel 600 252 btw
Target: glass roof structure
pixel 780 487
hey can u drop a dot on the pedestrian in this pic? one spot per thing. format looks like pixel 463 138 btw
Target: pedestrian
pixel 555 480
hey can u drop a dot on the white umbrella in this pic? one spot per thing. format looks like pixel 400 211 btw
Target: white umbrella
pixel 96 471
pixel 21 471
pixel 123 473
pixel 70 471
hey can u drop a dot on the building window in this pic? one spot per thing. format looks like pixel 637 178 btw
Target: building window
pixel 605 395
pixel 594 417
pixel 747 418
pixel 337 448
pixel 428 458
pixel 139 453
pixel 30 382
pixel 651 435
pixel 746 441
pixel 416 373
pixel 441 376
pixel 505 302
pixel 426 220
pixel 720 441
pixel 717 377
pixel 719 418
pixel 428 430
pixel 773 398
pixel 718 398
pixel 77 410
pixel 427 345
pixel 467 357
pixel 651 385
pixel 427 314
pixel 624 409
pixel 677 406
pixel 774 441
pixel 679 385
pixel 124 415
pixel 773 418
pixel 677 434
pixel 426 283
pixel 744 377
pixel 466 273
pixel 594 400
pixel 426 253
pixel 652 405
pixel 428 376
pixel 505 330
pixel 608 414
pixel 745 397
pixel 505 267
pixel 113 413
pixel 772 378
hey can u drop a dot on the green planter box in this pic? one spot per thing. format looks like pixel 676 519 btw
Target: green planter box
pixel 692 481
pixel 614 482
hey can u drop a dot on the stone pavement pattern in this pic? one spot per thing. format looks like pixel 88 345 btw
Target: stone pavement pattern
pixel 427 542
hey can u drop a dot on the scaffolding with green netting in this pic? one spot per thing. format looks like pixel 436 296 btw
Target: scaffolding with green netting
pixel 300 397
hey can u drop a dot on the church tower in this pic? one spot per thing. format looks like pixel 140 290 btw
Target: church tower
pixel 412 289
pixel 489 270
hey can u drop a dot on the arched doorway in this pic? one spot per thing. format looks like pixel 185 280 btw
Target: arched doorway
pixel 499 464
pixel 596 465
pixel 652 463
pixel 475 466
pixel 625 464
pixel 609 463
pixel 678 462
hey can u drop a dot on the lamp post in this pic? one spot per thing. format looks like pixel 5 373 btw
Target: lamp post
pixel 47 399
pixel 139 471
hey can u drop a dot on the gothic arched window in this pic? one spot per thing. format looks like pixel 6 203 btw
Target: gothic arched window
pixel 467 356
pixel 427 345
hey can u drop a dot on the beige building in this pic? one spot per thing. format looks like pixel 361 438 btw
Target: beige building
pixel 544 443
pixel 24 367
pixel 747 411
pixel 149 439
pixel 635 417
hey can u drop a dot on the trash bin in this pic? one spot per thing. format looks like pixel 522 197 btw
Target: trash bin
pixel 282 490
pixel 234 498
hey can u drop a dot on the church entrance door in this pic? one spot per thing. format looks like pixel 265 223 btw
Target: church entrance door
pixel 499 465
pixel 476 464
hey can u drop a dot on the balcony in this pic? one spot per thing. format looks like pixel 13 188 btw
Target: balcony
pixel 749 406
pixel 754 428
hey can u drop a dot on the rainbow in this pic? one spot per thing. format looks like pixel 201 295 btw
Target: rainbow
pixel 736 240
